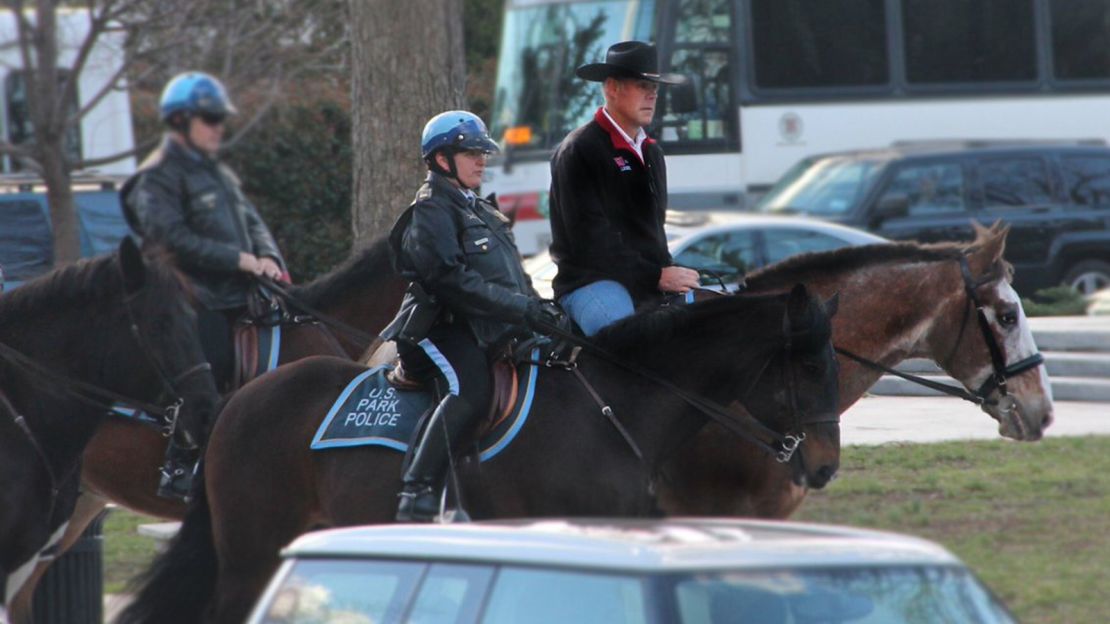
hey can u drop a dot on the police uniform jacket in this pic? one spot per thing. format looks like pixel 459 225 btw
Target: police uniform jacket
pixel 463 255
pixel 195 207
pixel 607 211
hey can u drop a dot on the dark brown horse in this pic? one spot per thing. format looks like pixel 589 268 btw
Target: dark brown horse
pixel 69 341
pixel 265 486
pixel 122 460
pixel 897 301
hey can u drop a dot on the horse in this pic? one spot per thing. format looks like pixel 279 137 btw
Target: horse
pixel 122 460
pixel 765 355
pixel 897 301
pixel 117 327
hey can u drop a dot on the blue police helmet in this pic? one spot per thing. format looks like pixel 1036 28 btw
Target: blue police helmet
pixel 460 130
pixel 194 93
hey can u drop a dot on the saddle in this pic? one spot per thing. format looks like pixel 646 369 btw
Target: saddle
pixel 503 369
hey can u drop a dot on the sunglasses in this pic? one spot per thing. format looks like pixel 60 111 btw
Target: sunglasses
pixel 212 119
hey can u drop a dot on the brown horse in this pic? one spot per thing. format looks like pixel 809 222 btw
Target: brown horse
pixel 72 341
pixel 897 301
pixel 264 486
pixel 122 460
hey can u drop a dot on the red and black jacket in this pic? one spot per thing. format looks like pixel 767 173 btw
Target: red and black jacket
pixel 607 211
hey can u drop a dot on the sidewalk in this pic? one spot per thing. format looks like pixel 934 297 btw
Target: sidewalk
pixel 882 419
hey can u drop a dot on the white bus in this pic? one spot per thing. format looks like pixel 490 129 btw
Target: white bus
pixel 779 80
pixel 106 129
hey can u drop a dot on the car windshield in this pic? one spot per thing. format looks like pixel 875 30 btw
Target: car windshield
pixel 826 187
pixel 890 595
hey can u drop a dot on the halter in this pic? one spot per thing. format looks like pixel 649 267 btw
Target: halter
pixel 1000 370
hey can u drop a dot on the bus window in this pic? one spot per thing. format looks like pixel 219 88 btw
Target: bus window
pixel 541 46
pixel 832 43
pixel 702 36
pixel 20 129
pixel 1080 39
pixel 949 41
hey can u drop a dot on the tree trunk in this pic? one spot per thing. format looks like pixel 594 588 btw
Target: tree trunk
pixel 63 212
pixel 408 65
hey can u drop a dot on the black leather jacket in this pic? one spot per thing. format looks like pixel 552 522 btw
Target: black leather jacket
pixel 193 205
pixel 465 258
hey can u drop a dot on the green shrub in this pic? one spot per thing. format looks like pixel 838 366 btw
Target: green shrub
pixel 296 168
pixel 1056 301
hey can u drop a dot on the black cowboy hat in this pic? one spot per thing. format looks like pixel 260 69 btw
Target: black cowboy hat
pixel 629 59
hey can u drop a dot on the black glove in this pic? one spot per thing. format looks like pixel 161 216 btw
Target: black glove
pixel 542 313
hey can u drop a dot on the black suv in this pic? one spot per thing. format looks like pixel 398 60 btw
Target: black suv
pixel 1055 196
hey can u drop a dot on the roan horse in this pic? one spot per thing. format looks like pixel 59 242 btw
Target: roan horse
pixel 118 327
pixel 771 354
pixel 897 301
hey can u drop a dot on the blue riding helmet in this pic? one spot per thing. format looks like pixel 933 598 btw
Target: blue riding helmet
pixel 456 129
pixel 195 93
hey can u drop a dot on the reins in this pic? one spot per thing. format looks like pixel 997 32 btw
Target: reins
pixel 326 319
pixel 1001 371
pixel 735 418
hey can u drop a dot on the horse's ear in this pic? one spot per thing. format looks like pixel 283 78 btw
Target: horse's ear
pixel 132 265
pixel 832 304
pixel 990 244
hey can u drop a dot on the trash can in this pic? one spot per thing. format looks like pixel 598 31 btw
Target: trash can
pixel 72 590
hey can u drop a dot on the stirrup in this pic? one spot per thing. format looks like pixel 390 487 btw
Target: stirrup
pixel 175 483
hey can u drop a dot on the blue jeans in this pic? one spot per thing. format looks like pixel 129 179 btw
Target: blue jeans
pixel 596 305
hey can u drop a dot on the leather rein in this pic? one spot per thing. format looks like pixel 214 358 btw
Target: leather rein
pixel 1001 371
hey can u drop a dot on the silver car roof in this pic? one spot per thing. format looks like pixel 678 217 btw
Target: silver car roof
pixel 629 545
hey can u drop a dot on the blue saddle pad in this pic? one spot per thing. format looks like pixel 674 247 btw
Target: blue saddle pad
pixel 371 412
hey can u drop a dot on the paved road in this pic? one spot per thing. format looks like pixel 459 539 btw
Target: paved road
pixel 878 420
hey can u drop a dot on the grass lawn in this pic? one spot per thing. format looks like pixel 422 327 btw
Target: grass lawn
pixel 1032 519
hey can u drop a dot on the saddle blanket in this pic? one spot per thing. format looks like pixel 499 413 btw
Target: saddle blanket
pixel 372 412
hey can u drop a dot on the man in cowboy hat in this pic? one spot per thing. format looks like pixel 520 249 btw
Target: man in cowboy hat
pixel 609 197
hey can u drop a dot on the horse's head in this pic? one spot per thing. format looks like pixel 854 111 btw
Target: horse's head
pixel 163 349
pixel 797 394
pixel 991 350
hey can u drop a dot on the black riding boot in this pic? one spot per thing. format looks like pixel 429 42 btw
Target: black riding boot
pixel 177 472
pixel 420 496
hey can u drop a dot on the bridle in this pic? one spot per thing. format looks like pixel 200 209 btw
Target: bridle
pixel 1000 370
pixel 97 396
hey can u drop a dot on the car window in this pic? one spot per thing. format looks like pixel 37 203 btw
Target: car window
pixel 525 596
pixel 353 592
pixel 881 595
pixel 929 188
pixel 451 594
pixel 729 254
pixel 826 187
pixel 1086 179
pixel 1015 181
pixel 782 243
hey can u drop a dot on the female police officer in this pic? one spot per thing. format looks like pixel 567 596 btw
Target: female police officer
pixel 468 292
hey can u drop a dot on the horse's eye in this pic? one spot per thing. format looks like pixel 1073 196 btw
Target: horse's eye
pixel 1008 318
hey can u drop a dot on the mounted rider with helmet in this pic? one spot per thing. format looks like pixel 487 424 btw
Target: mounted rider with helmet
pixel 183 199
pixel 468 293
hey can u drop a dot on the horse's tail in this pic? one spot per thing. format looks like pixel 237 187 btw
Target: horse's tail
pixel 181 582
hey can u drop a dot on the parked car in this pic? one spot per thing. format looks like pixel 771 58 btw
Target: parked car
pixel 730 244
pixel 680 571
pixel 1055 197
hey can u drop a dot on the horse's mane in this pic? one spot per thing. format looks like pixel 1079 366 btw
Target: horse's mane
pixel 751 322
pixel 803 267
pixel 356 271
pixel 82 284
